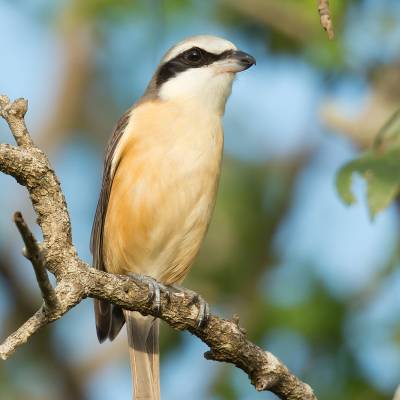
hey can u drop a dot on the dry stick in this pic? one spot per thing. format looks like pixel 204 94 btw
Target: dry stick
pixel 23 334
pixel 325 17
pixel 35 255
pixel 14 114
pixel 76 280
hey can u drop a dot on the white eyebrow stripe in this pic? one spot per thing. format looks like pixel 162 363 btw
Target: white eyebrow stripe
pixel 212 44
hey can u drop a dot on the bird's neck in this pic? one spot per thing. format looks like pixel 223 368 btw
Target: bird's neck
pixel 210 97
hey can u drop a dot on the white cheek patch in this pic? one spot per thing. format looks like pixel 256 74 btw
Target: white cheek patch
pixel 203 85
pixel 186 83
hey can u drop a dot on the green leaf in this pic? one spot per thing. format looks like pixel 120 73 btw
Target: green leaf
pixel 382 174
pixel 389 134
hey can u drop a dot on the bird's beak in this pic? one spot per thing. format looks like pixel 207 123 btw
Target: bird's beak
pixel 236 61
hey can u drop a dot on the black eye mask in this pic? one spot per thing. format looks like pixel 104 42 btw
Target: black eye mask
pixel 192 58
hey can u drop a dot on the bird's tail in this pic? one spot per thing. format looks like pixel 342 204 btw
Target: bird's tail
pixel 144 355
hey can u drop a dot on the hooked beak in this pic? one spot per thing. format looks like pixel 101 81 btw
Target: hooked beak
pixel 245 60
pixel 236 61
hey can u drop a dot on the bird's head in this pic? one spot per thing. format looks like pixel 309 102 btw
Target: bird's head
pixel 199 70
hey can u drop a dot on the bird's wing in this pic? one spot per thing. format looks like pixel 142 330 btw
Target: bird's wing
pixel 109 319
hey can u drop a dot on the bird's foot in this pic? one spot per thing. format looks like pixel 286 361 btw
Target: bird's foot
pixel 204 308
pixel 154 296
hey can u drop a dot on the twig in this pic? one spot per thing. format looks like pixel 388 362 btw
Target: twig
pixel 34 254
pixel 325 17
pixel 76 280
pixel 21 336
pixel 14 114
pixel 68 297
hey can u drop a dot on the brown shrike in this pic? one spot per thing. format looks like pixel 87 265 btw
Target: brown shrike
pixel 160 180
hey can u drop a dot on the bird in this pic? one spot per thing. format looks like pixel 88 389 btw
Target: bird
pixel 160 178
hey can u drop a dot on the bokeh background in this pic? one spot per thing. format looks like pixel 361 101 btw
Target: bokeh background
pixel 314 281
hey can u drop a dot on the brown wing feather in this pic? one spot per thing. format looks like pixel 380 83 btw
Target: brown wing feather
pixel 108 316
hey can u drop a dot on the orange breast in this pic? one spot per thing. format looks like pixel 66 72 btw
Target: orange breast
pixel 163 192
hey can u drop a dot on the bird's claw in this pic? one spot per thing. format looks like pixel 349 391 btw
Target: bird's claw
pixel 204 308
pixel 154 298
pixel 154 295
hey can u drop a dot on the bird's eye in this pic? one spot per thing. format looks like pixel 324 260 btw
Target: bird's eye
pixel 194 56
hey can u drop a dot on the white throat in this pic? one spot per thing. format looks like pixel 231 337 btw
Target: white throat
pixel 204 87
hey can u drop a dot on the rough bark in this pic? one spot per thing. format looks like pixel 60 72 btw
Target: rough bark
pixel 77 281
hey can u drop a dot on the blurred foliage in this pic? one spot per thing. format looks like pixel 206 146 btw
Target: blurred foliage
pixel 114 11
pixel 380 168
pixel 291 25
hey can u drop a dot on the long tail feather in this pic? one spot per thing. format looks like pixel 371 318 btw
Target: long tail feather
pixel 143 335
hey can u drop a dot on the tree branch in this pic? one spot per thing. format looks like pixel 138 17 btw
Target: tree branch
pixel 76 280
pixel 21 336
pixel 35 255
pixel 14 114
pixel 325 17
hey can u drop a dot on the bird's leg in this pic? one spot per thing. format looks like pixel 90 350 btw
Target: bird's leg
pixel 154 296
pixel 204 308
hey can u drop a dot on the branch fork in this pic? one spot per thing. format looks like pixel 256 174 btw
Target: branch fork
pixel 77 281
